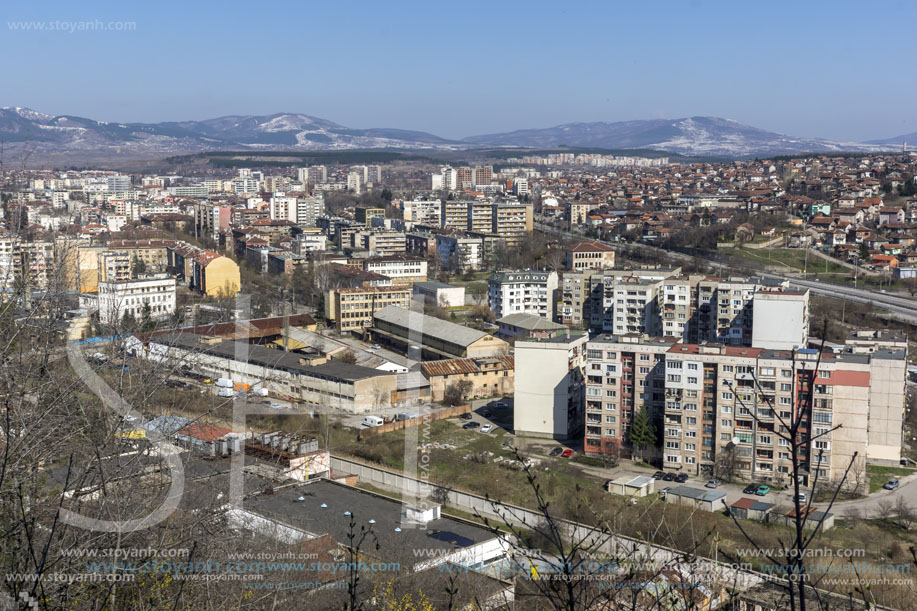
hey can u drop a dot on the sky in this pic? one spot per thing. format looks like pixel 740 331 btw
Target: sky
pixel 837 70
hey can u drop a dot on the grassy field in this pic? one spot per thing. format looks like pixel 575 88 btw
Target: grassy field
pixel 879 475
pixel 792 260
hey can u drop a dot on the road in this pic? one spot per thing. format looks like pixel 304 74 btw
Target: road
pixel 904 308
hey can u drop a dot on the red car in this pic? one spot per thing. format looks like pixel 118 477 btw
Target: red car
pixel 567 453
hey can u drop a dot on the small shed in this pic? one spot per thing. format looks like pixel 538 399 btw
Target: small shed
pixel 628 485
pixel 814 517
pixel 751 509
pixel 701 498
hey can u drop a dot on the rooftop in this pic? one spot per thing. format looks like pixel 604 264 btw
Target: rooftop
pixel 319 507
pixel 429 325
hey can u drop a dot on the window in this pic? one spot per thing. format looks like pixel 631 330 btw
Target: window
pixel 673 364
pixel 644 357
pixel 594 354
pixel 766 371
pixel 611 368
pixel 692 366
pixel 725 423
pixel 593 391
pixel 672 445
pixel 611 355
pixel 786 387
pixel 610 419
pixel 692 380
pixel 611 406
pixel 727 368
pixel 673 378
pixel 765 439
pixel 611 393
pixel 644 370
pixel 726 396
pixel 786 373
pixel 726 409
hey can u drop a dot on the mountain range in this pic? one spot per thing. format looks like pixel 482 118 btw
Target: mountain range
pixel 26 129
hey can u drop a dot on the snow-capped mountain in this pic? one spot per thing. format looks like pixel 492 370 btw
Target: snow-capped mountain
pixel 709 136
pixel 691 136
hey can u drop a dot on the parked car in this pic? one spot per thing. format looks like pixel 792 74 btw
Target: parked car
pixel 470 425
pixel 711 483
pixel 681 478
pixel 376 346
pixel 762 490
pixel 273 405
pixel 567 453
pixel 486 413
pixel 487 428
pixel 668 477
pixel 750 489
pixel 801 497
pixel 373 421
pixel 556 452
pixel 500 405
pixel 404 416
pixel 465 416
pixel 508 443
pixel 659 475
pixel 892 484
pixel 664 491
pixel 607 484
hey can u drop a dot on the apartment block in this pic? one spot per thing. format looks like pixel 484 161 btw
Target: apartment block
pixel 460 253
pixel 423 212
pixel 549 386
pixel 622 375
pixel 352 309
pixel 154 295
pixel 526 291
pixel 365 216
pixel 725 409
pixel 382 243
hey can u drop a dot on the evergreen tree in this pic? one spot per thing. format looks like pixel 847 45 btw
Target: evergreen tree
pixel 642 432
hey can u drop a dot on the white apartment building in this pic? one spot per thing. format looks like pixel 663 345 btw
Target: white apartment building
pixel 527 291
pixel 460 253
pixel 423 212
pixel 131 297
pixel 549 386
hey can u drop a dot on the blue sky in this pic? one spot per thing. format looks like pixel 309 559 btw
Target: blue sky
pixel 818 69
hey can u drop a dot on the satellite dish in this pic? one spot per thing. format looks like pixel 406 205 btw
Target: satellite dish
pixel 735 441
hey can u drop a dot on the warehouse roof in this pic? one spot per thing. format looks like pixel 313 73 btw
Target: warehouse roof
pixel 429 325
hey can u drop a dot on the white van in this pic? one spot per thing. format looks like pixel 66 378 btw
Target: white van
pixel 225 392
pixel 224 383
pixel 373 421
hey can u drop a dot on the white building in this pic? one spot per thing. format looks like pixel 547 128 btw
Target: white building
pixel 129 297
pixel 401 269
pixel 355 182
pixel 549 386
pixel 424 212
pixel 527 291
pixel 781 319
pixel 440 293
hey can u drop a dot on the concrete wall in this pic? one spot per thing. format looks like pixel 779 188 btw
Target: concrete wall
pixel 886 408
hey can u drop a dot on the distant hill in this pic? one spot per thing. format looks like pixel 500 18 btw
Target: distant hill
pixel 690 136
pixel 695 136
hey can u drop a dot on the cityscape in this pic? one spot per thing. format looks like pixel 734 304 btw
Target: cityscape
pixel 267 361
